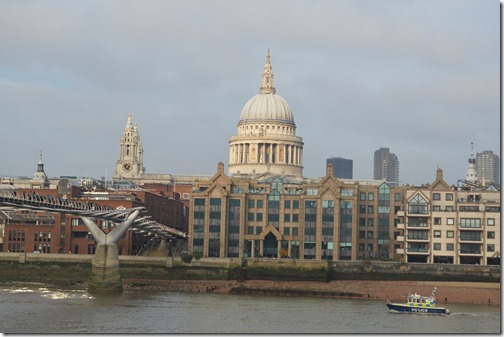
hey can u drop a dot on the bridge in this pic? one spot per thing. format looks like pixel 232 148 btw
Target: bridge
pixel 105 274
pixel 32 201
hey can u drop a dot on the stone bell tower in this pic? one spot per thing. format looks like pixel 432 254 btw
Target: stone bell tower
pixel 130 163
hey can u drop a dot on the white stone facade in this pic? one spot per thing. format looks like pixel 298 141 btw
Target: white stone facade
pixel 266 140
pixel 130 163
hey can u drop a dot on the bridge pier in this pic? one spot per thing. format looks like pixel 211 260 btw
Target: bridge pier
pixel 105 274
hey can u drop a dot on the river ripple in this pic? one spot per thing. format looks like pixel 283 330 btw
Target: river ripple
pixel 37 309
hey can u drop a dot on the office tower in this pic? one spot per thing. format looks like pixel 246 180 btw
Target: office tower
pixel 342 168
pixel 386 166
pixel 488 167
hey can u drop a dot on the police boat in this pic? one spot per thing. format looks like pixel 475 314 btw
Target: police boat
pixel 418 304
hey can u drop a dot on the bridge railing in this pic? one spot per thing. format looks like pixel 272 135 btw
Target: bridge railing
pixel 49 203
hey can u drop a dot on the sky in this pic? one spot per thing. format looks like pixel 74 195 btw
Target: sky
pixel 420 77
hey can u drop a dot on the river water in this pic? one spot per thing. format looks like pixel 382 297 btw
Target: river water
pixel 37 309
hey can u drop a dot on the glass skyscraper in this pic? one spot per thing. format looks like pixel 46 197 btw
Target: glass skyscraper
pixel 342 168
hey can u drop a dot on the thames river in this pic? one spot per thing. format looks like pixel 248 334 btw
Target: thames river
pixel 37 309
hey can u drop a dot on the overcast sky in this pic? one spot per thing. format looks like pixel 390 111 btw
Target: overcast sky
pixel 418 77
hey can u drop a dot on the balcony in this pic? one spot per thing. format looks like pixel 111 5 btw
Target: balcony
pixel 471 253
pixel 470 228
pixel 471 240
pixel 470 249
pixel 400 213
pixel 418 226
pixel 400 226
pixel 418 239
pixel 419 251
pixel 400 238
pixel 418 213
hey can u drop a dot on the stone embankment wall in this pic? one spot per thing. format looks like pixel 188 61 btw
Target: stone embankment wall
pixel 60 267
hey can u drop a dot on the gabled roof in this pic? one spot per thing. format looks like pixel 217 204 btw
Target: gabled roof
pixel 270 229
pixel 439 183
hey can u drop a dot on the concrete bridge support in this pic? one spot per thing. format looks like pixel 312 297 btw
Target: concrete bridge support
pixel 105 274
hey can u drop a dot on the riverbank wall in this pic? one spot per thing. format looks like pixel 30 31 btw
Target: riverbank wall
pixel 68 267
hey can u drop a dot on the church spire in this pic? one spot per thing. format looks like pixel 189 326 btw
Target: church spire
pixel 472 174
pixel 267 78
pixel 129 124
pixel 40 165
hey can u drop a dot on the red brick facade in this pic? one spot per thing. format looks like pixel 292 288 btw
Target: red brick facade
pixel 32 231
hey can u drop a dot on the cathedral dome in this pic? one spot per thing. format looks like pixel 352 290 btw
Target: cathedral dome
pixel 267 107
pixel 266 141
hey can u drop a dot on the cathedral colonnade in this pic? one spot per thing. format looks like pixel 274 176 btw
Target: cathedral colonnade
pixel 265 153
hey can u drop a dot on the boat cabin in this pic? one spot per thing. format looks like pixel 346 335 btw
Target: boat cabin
pixel 416 300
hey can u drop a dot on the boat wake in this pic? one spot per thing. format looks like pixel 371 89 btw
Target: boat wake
pixel 472 314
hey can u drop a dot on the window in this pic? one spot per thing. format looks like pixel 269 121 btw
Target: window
pixel 470 223
pixel 436 196
pixel 450 234
pixel 490 235
pixel 370 196
pixel 250 230
pixel 287 231
pixel 295 231
pixel 449 208
pixel 295 217
pixel 346 192
pixel 437 246
pixel 361 247
pixel 251 203
pixel 418 205
pixel 370 235
pixel 295 204
pixel 436 208
pixel 287 204
pixel 490 248
pixel 490 222
pixel 199 202
pixel 470 236
pixel 250 217
pixel 397 197
pixel 418 235
pixel 362 221
pixel 259 204
pixel 370 247
pixel 286 217
pixel 450 221
pixel 449 196
pixel 449 246
pixel 362 196
pixel 370 222
pixel 362 209
pixel 259 217
pixel 362 234
pixel 370 209
pixel 437 221
pixel 437 234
